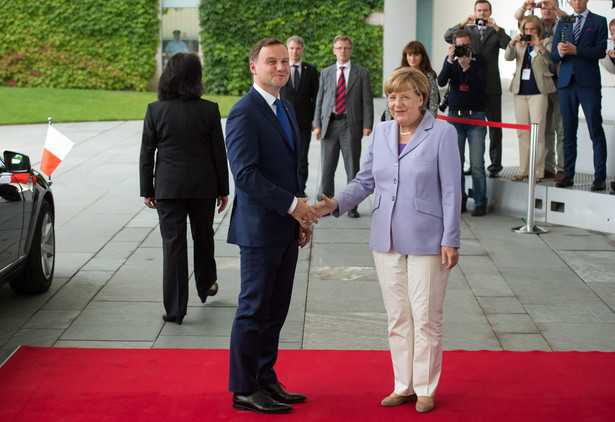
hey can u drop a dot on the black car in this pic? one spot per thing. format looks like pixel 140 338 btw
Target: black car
pixel 27 237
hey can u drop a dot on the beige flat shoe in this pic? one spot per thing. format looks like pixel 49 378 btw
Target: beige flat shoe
pixel 518 178
pixel 425 404
pixel 392 401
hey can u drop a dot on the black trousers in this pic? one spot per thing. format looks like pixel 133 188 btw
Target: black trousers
pixel 306 135
pixel 494 114
pixel 172 214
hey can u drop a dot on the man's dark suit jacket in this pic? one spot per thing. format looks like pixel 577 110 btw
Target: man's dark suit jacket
pixel 489 49
pixel 304 100
pixel 185 136
pixel 266 173
pixel 590 49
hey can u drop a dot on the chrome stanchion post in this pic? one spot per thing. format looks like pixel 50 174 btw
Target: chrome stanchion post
pixel 531 181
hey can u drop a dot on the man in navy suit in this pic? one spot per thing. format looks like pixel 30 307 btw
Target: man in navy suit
pixel 270 219
pixel 579 82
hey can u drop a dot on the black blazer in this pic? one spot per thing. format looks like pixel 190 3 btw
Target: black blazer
pixel 304 101
pixel 185 136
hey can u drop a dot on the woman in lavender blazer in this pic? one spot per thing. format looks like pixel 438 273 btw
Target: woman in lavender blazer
pixel 412 164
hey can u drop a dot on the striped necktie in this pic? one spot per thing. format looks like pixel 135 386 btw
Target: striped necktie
pixel 340 96
pixel 576 32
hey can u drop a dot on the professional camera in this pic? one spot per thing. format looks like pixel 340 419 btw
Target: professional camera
pixel 526 37
pixel 461 50
pixel 444 101
pixel 480 22
pixel 568 19
pixel 536 5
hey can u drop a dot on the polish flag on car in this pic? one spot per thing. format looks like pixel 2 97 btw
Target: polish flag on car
pixel 56 148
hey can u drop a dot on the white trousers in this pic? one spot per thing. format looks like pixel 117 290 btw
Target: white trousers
pixel 531 109
pixel 413 289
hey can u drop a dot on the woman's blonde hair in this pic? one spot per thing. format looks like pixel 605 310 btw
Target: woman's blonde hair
pixel 536 21
pixel 408 79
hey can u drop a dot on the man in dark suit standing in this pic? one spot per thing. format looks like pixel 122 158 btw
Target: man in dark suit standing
pixel 270 219
pixel 487 40
pixel 579 82
pixel 344 114
pixel 301 90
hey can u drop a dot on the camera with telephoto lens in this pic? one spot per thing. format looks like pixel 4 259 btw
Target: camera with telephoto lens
pixel 461 50
pixel 568 19
pixel 526 37
pixel 480 22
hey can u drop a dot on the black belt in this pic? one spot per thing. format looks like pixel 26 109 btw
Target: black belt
pixel 464 112
pixel 337 116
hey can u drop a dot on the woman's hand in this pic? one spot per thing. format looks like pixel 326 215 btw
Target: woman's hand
pixel 450 256
pixel 150 201
pixel 221 203
pixel 325 206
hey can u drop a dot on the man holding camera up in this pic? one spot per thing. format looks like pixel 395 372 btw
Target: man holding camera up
pixel 487 40
pixel 581 43
pixel 466 74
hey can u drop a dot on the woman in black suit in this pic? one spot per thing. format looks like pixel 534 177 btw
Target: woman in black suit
pixel 184 173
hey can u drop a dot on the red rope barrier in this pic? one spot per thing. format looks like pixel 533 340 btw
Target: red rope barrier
pixel 483 123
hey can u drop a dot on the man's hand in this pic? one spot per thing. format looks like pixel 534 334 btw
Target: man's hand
pixel 317 131
pixel 566 48
pixel 325 206
pixel 221 203
pixel 469 21
pixel 304 236
pixel 527 4
pixel 305 214
pixel 451 53
pixel 366 131
pixel 150 201
pixel 611 53
pixel 450 256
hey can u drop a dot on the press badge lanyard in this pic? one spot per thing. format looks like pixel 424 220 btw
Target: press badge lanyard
pixel 527 71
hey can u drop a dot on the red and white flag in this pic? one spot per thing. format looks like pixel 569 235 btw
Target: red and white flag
pixel 56 148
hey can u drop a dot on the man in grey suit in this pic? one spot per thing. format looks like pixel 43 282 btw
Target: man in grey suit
pixel 487 40
pixel 344 114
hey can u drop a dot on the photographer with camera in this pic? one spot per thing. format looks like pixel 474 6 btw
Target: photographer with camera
pixel 487 40
pixel 532 83
pixel 554 130
pixel 581 43
pixel 466 74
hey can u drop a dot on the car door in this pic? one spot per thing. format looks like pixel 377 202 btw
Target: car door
pixel 11 216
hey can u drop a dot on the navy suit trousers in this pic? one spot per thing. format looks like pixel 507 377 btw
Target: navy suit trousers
pixel 267 275
pixel 591 100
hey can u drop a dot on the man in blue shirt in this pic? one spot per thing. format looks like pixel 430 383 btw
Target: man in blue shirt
pixel 176 46
pixel 466 75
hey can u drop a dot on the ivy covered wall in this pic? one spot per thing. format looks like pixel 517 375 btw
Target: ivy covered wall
pixel 230 28
pixel 95 44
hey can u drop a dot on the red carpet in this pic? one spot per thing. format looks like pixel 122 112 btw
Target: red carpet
pixel 53 384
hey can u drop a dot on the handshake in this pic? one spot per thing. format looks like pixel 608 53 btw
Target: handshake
pixel 306 215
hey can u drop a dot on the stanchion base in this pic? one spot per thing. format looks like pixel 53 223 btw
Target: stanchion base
pixel 532 230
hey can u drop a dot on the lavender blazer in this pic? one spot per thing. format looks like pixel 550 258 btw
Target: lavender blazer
pixel 417 205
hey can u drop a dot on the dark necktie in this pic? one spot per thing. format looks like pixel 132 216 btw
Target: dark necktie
pixel 340 96
pixel 576 31
pixel 296 77
pixel 281 114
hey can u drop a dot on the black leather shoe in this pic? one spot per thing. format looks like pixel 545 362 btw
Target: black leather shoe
pixel 494 174
pixel 212 291
pixel 259 402
pixel 173 318
pixel 276 392
pixel 468 172
pixel 566 182
pixel 354 214
pixel 598 186
pixel 479 211
pixel 612 188
pixel 464 207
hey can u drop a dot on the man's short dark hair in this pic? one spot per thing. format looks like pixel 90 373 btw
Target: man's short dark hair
pixel 265 42
pixel 460 33
pixel 182 78
pixel 483 1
